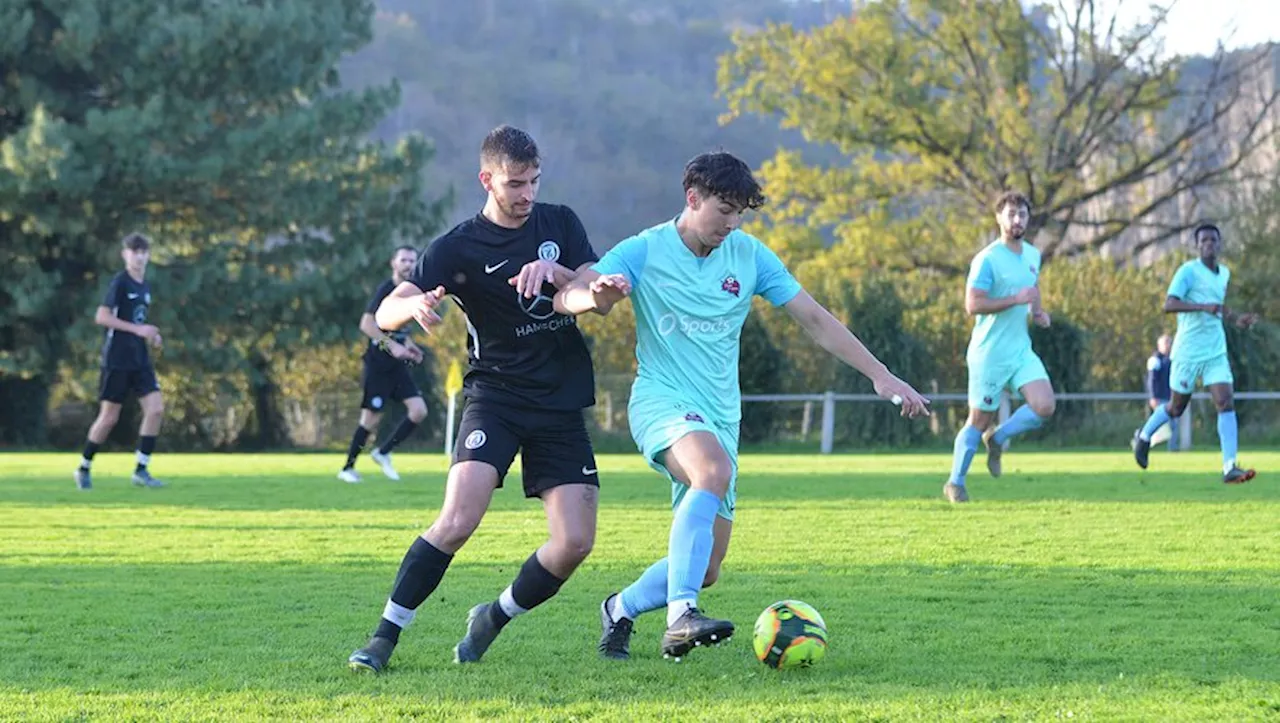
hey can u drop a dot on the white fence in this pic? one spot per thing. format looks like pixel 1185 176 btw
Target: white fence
pixel 828 401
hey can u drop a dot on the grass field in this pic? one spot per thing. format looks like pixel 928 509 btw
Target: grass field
pixel 1075 587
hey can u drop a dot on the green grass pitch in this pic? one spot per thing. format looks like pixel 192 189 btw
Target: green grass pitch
pixel 1074 587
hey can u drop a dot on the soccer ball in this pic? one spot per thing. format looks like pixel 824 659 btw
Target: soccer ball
pixel 790 634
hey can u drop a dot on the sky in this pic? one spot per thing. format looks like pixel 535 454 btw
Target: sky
pixel 1195 26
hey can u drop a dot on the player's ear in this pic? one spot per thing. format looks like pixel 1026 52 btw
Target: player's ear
pixel 692 198
pixel 486 180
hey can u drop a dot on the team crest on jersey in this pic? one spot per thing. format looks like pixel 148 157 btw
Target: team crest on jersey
pixel 730 285
pixel 475 440
pixel 694 417
pixel 987 400
pixel 549 251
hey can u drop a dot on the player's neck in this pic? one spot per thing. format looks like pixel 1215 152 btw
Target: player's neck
pixel 137 276
pixel 1212 264
pixel 494 213
pixel 1014 244
pixel 690 240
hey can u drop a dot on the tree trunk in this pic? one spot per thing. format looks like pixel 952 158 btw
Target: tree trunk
pixel 271 432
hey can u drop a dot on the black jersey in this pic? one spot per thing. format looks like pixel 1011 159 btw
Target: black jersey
pixel 128 301
pixel 521 351
pixel 375 357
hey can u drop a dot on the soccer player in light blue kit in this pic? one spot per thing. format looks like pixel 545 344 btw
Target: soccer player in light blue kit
pixel 692 280
pixel 1001 293
pixel 1198 296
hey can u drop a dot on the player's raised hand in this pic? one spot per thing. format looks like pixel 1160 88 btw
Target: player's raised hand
pixel 1041 319
pixel 532 276
pixel 424 308
pixel 611 284
pixel 902 394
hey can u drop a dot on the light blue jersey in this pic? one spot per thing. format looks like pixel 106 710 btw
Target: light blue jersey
pixel 1200 334
pixel 690 312
pixel 1002 273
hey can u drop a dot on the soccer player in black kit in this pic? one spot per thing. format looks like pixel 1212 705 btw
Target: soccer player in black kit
pixel 386 377
pixel 126 364
pixel 528 381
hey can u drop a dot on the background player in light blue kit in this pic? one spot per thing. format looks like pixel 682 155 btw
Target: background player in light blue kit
pixel 1001 293
pixel 692 280
pixel 1198 296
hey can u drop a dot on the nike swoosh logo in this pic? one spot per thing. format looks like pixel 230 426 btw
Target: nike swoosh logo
pixel 586 471
pixel 490 269
pixel 132 296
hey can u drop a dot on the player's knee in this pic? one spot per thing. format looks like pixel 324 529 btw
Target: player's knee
pixel 576 546
pixel 1224 405
pixel 1044 408
pixel 417 411
pixel 154 409
pixel 108 416
pixel 452 530
pixel 713 477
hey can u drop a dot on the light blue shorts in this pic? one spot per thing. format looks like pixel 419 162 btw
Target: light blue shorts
pixel 657 423
pixel 1183 375
pixel 988 378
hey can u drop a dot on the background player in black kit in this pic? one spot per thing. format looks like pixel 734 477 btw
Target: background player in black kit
pixel 529 379
pixel 126 365
pixel 386 376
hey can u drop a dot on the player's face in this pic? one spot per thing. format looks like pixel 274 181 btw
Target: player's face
pixel 514 189
pixel 712 218
pixel 1013 220
pixel 402 263
pixel 1163 344
pixel 1208 243
pixel 136 260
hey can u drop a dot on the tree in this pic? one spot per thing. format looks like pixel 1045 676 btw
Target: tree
pixel 939 105
pixel 221 129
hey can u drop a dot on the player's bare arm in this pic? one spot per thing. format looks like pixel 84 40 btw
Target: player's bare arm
pixel 104 317
pixel 591 291
pixel 533 275
pixel 976 301
pixel 841 343
pixel 409 303
pixel 369 327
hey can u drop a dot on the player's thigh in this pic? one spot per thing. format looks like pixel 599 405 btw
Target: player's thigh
pixel 144 385
pixel 987 379
pixel 152 403
pixel 487 434
pixel 555 450
pixel 467 495
pixel 108 412
pixel 699 460
pixel 1183 376
pixel 571 515
pixel 1217 373
pixel 376 389
pixel 113 386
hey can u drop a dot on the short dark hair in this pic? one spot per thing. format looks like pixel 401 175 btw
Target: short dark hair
pixel 509 146
pixel 404 247
pixel 1009 198
pixel 136 242
pixel 1206 226
pixel 723 174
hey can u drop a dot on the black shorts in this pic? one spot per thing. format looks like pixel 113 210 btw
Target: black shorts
pixel 115 385
pixel 383 384
pixel 554 447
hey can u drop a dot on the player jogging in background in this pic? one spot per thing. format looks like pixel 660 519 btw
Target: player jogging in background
pixel 1198 296
pixel 1002 293
pixel 530 378
pixel 386 377
pixel 126 364
pixel 692 280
